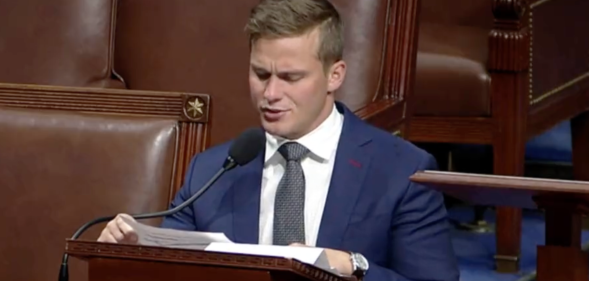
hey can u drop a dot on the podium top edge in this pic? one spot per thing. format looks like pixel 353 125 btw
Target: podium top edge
pixel 87 250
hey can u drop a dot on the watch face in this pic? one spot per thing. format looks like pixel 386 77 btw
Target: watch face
pixel 360 265
pixel 362 262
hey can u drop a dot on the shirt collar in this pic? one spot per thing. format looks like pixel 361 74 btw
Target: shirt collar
pixel 321 142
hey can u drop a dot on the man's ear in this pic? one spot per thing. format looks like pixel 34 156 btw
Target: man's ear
pixel 336 76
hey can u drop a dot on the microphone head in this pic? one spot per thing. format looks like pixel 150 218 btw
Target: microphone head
pixel 247 146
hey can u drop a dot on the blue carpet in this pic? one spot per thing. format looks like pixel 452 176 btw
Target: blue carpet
pixel 554 145
pixel 475 251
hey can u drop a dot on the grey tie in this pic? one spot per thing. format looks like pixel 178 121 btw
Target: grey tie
pixel 289 205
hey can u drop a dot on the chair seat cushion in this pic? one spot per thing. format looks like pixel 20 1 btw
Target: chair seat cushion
pixel 451 76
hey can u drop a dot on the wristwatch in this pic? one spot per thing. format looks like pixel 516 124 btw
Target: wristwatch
pixel 359 265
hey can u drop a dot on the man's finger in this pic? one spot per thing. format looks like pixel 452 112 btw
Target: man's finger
pixel 106 237
pixel 132 238
pixel 124 227
pixel 114 230
pixel 130 235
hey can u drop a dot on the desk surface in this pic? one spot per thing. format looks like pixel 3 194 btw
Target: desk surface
pixel 503 190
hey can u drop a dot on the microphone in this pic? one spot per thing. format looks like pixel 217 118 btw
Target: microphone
pixel 242 151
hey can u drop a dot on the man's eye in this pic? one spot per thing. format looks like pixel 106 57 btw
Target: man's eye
pixel 263 76
pixel 291 78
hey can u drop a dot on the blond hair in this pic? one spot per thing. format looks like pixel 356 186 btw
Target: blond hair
pixel 273 19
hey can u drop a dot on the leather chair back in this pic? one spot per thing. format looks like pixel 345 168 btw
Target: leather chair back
pixel 380 51
pixel 58 42
pixel 473 13
pixel 453 57
pixel 61 168
pixel 365 45
pixel 196 46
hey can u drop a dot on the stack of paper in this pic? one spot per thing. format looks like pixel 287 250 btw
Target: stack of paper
pixel 171 238
pixel 218 242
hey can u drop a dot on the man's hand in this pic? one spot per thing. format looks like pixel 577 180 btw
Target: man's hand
pixel 118 231
pixel 339 260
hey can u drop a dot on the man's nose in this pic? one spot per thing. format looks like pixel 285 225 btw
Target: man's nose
pixel 272 90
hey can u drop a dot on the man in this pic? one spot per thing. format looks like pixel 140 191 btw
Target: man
pixel 345 185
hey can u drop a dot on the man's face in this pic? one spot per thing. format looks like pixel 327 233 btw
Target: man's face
pixel 289 85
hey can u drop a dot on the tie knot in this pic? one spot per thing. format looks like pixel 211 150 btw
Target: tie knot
pixel 293 151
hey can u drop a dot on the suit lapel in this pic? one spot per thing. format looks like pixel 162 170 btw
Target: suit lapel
pixel 351 165
pixel 246 201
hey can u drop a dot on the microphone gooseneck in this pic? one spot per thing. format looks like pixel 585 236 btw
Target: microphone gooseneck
pixel 242 151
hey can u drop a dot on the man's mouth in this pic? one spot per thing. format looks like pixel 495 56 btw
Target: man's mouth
pixel 273 110
pixel 273 114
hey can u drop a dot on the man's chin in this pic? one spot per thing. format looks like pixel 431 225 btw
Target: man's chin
pixel 274 128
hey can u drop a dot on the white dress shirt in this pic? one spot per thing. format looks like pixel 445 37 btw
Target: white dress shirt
pixel 317 166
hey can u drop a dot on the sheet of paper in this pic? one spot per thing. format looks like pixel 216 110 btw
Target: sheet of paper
pixel 308 255
pixel 162 237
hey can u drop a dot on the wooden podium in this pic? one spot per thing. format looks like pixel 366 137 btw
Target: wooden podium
pixel 119 262
pixel 564 202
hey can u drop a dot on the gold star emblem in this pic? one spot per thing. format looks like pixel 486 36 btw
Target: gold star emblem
pixel 194 108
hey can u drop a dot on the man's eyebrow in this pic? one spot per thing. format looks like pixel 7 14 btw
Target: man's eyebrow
pixel 259 68
pixel 295 72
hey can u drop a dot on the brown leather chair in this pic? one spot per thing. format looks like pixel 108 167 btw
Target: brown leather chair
pixel 58 42
pixel 69 155
pixel 200 46
pixel 498 72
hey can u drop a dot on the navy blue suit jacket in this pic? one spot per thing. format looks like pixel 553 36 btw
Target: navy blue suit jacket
pixel 371 208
